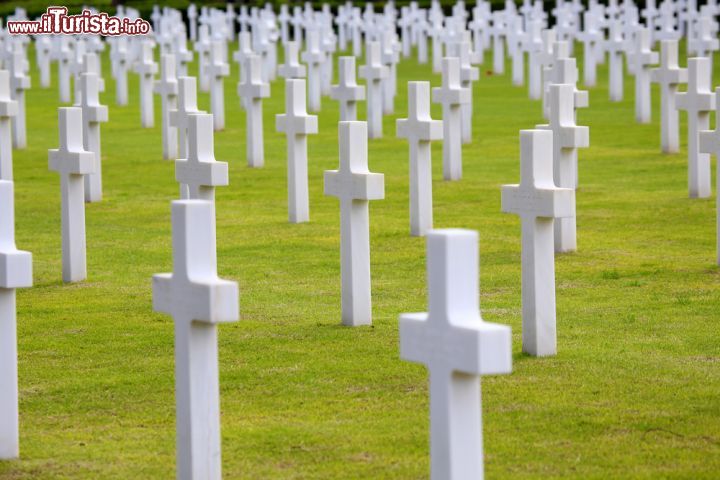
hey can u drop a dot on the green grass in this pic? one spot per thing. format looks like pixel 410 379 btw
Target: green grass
pixel 634 391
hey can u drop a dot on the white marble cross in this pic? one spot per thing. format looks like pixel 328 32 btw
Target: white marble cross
pixel 92 115
pixel 499 30
pixel 203 46
pixel 147 68
pixel 709 141
pixel 72 162
pixel 468 75
pixel 292 68
pixel 669 76
pixel 252 91
pixel 591 37
pixel 77 66
pixel 241 55
pixel 328 45
pixel 641 58
pixel 615 46
pixel 534 46
pixel 19 82
pixel 354 185
pixel 43 48
pixel 421 28
pixel 374 72
pixel 436 30
pixel 389 56
pixel 198 300
pixel 284 19
pixel 452 96
pixel 8 109
pixel 186 106
pixel 567 138
pixel 198 173
pixel 64 56
pixel 15 272
pixel 314 57
pixel 538 202
pixel 698 102
pixel 516 36
pixel 192 20
pixel 297 125
pixel 420 129
pixel 217 70
pixel 122 60
pixel 167 88
pixel 457 346
pixel 347 91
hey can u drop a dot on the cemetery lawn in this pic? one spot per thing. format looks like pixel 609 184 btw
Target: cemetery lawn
pixel 634 391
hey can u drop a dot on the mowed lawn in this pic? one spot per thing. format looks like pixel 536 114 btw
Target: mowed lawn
pixel 634 391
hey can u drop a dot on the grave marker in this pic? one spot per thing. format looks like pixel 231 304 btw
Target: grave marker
pixel 122 59
pixel 241 56
pixel 641 59
pixel 72 162
pixel 186 106
pixel 167 88
pixel 457 346
pixel 355 186
pixel 538 202
pixel 615 46
pixel 452 96
pixel 217 70
pixel 92 115
pixel 709 143
pixel 567 138
pixel 698 102
pixel 420 130
pixel 669 76
pixel 146 68
pixel 198 301
pixel 374 72
pixel 252 91
pixel 314 57
pixel 297 124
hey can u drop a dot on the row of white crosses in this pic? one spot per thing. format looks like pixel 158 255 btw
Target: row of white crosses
pixel 698 101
